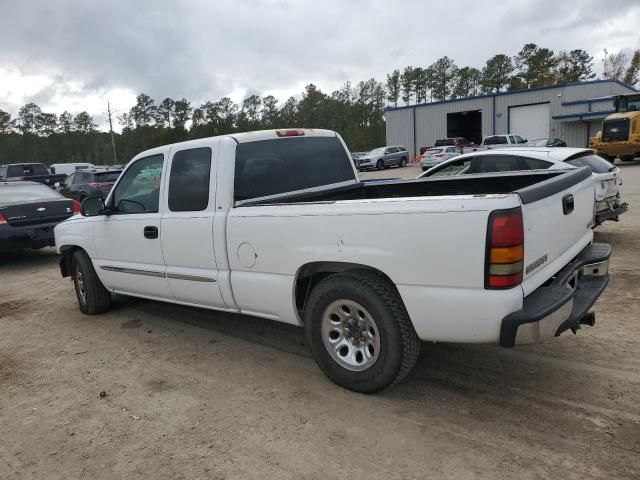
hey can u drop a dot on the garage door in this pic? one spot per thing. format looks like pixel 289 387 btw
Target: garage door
pixel 530 121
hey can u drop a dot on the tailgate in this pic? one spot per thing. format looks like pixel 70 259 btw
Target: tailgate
pixel 557 215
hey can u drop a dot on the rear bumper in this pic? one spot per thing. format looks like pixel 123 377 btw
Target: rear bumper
pixel 563 304
pixel 611 213
pixel 34 236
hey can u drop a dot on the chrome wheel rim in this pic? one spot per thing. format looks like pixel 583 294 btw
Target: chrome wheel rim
pixel 80 287
pixel 350 335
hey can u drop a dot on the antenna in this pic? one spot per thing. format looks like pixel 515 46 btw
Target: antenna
pixel 113 137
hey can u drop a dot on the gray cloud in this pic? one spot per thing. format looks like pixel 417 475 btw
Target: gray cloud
pixel 204 50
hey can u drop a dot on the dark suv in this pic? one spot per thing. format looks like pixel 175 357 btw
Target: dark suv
pixel 89 183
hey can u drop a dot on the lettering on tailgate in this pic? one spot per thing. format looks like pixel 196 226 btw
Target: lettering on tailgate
pixel 533 265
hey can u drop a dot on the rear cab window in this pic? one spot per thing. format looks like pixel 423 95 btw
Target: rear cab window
pixel 26 170
pixel 596 163
pixel 272 167
pixel 495 140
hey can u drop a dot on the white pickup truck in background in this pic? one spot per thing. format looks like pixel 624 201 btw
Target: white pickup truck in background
pixel 276 224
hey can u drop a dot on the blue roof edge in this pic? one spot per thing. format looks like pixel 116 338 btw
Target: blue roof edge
pixel 582 114
pixel 514 92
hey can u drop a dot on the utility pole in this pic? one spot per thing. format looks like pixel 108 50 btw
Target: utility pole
pixel 605 74
pixel 113 137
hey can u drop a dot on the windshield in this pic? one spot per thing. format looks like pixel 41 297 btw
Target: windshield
pixel 107 176
pixel 378 151
pixel 596 163
pixel 26 193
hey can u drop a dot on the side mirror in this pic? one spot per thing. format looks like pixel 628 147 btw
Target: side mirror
pixel 92 206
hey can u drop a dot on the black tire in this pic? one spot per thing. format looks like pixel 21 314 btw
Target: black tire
pixel 380 165
pixel 627 158
pixel 403 162
pixel 399 345
pixel 96 298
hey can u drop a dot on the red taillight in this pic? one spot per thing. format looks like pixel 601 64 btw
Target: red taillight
pixel 505 249
pixel 75 206
pixel 3 219
pixel 97 184
pixel 296 132
pixel 439 155
pixel 506 228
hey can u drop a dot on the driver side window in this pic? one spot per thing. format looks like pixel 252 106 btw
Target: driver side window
pixel 138 191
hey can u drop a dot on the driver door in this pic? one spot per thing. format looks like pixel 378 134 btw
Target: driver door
pixel 129 255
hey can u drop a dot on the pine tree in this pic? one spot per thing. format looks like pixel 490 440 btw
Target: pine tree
pixel 632 75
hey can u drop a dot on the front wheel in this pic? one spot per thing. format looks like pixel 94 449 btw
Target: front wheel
pixel 93 298
pixel 359 331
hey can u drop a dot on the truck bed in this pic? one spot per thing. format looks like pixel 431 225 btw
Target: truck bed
pixel 529 184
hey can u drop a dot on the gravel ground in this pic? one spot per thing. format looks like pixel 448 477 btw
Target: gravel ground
pixel 152 390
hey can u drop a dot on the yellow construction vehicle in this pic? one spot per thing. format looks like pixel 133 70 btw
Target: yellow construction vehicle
pixel 620 134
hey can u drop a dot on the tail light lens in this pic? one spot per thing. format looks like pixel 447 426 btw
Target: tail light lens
pixel 3 219
pixel 505 249
pixel 75 207
pixel 438 155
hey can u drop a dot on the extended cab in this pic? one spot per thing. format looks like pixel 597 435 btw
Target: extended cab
pixel 276 224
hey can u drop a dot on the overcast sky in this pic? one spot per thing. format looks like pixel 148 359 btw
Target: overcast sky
pixel 74 55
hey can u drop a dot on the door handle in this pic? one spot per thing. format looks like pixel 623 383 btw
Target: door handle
pixel 568 204
pixel 150 232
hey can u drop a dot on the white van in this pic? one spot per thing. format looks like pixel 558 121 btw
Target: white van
pixel 69 168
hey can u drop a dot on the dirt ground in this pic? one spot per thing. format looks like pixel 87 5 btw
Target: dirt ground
pixel 196 394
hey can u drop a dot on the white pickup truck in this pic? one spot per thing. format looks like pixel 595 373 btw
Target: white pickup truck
pixel 276 224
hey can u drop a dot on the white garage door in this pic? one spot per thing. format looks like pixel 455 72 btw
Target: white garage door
pixel 530 121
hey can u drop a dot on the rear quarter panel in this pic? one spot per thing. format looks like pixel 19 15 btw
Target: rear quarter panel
pixel 431 248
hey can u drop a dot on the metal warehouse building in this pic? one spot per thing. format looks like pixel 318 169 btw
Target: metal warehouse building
pixel 570 111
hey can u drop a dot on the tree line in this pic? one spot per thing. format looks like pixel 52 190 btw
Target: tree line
pixel 356 111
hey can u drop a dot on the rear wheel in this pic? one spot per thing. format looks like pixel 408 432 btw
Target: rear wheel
pixel 380 164
pixel 627 158
pixel 93 298
pixel 403 162
pixel 359 331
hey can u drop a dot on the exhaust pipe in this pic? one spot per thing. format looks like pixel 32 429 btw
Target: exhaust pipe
pixel 588 319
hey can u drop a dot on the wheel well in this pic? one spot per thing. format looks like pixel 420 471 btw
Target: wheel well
pixel 66 254
pixel 310 274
